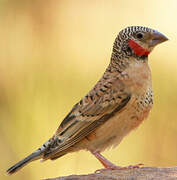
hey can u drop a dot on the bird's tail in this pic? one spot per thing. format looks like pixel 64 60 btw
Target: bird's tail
pixel 34 156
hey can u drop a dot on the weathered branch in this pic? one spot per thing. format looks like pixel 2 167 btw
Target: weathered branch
pixel 144 173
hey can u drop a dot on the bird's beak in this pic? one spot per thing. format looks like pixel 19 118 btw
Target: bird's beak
pixel 157 38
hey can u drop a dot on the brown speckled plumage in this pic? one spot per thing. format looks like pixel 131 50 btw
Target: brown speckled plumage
pixel 117 104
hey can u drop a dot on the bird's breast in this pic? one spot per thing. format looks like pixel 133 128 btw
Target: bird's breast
pixel 137 77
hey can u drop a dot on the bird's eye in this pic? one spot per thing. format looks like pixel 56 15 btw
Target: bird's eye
pixel 139 35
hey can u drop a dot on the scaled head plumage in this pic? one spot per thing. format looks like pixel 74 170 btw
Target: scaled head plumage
pixel 137 41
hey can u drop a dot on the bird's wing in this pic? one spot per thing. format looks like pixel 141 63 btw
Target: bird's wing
pixel 101 103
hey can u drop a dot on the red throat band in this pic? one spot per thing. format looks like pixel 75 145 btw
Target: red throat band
pixel 137 49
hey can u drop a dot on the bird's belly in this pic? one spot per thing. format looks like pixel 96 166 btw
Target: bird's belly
pixel 112 132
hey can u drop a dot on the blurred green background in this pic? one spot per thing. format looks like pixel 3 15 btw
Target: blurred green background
pixel 52 53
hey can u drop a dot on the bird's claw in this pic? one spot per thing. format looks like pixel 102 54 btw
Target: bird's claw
pixel 134 166
pixel 119 168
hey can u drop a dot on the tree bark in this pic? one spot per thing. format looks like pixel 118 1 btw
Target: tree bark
pixel 144 173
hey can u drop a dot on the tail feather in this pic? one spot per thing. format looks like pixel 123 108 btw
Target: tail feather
pixel 22 163
pixel 34 156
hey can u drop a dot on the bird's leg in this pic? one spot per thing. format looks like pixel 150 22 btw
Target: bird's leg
pixel 108 165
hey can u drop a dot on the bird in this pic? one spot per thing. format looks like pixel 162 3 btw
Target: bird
pixel 119 102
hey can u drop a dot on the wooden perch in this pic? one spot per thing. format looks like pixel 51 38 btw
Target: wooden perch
pixel 144 173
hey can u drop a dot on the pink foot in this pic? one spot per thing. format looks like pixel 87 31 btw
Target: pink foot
pixel 114 167
pixel 134 166
pixel 110 166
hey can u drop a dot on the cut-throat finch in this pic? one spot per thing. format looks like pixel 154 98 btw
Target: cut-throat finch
pixel 116 105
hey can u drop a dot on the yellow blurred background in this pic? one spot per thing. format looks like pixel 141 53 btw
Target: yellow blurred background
pixel 52 53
